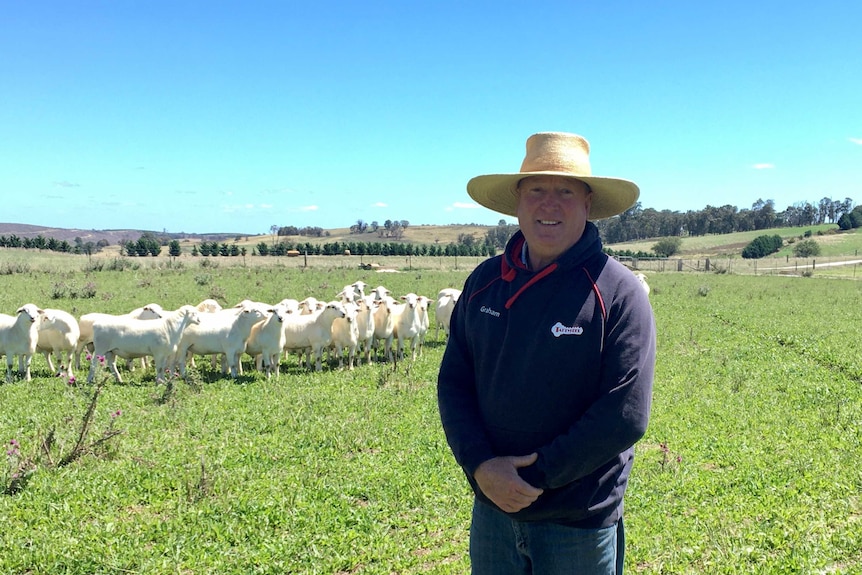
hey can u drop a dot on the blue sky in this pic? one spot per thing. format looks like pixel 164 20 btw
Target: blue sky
pixel 192 116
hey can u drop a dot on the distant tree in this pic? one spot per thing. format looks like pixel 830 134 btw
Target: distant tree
pixel 174 249
pixel 500 234
pixel 806 249
pixel 762 246
pixel 666 247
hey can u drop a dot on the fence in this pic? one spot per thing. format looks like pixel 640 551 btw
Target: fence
pixel 842 266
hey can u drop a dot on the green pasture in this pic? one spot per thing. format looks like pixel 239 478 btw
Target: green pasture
pixel 750 463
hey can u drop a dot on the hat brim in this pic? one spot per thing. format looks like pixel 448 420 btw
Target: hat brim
pixel 499 192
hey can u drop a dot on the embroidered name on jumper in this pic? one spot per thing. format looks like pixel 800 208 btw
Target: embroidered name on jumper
pixel 559 329
pixel 489 311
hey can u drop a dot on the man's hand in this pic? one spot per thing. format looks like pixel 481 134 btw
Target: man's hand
pixel 499 480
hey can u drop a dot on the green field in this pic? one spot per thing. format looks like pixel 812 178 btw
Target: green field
pixel 750 463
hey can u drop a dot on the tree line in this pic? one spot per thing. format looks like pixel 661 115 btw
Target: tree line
pixel 40 242
pixel 638 223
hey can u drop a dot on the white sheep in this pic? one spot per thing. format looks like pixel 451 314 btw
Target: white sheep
pixel 446 299
pixel 384 325
pixel 365 325
pixel 353 292
pixel 58 334
pixel 423 303
pixel 310 305
pixel 130 338
pixel 380 293
pixel 345 334
pixel 642 279
pixel 209 306
pixel 19 336
pixel 289 305
pixel 266 340
pixel 408 324
pixel 86 321
pixel 225 332
pixel 312 331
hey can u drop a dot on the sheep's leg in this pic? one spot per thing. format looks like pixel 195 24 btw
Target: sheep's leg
pixel 24 365
pixel 111 360
pixel 48 360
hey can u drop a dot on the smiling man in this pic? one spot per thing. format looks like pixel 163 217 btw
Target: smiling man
pixel 546 382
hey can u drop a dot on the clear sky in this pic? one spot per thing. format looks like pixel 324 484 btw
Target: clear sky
pixel 215 116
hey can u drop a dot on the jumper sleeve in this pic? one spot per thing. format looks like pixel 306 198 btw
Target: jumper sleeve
pixel 457 399
pixel 619 416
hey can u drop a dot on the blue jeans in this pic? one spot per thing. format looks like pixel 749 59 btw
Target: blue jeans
pixel 502 546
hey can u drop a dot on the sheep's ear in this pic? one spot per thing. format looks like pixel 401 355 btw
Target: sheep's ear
pixel 404 298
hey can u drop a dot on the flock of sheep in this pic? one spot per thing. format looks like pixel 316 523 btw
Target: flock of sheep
pixel 355 324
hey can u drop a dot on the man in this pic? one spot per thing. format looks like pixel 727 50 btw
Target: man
pixel 546 382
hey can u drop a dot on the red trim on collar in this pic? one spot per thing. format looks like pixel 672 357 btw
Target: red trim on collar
pixel 533 280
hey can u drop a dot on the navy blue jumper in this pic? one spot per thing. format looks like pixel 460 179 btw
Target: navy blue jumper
pixel 557 361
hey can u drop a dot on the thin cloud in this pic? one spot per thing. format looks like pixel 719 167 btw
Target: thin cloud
pixel 66 184
pixel 857 141
pixel 462 206
pixel 379 205
pixel 304 209
pixel 763 166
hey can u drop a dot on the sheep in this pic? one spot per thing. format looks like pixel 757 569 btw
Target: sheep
pixel 225 332
pixel 266 340
pixel 130 338
pixel 209 306
pixel 384 325
pixel 446 299
pixel 19 336
pixel 345 334
pixel 642 279
pixel 365 325
pixel 310 305
pixel 423 303
pixel 380 293
pixel 312 330
pixel 407 324
pixel 353 292
pixel 58 334
pixel 289 305
pixel 86 321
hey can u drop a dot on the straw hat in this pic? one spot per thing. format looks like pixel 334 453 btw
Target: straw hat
pixel 555 154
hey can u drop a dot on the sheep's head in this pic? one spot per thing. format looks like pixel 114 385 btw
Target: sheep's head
pixel 336 308
pixel 32 311
pixel 411 300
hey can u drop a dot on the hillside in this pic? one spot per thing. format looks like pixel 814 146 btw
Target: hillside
pixel 425 234
pixel 113 237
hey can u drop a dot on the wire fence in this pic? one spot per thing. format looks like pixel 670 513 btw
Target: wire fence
pixel 839 266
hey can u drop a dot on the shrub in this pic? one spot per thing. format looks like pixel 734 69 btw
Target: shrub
pixel 762 246
pixel 667 247
pixel 806 249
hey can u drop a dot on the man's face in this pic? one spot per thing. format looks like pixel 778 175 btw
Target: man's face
pixel 552 214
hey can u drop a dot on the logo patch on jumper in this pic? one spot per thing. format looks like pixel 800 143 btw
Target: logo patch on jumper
pixel 559 329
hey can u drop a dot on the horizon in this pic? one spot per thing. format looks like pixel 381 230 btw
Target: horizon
pixel 170 117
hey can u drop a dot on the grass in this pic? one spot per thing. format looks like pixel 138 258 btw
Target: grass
pixel 750 463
